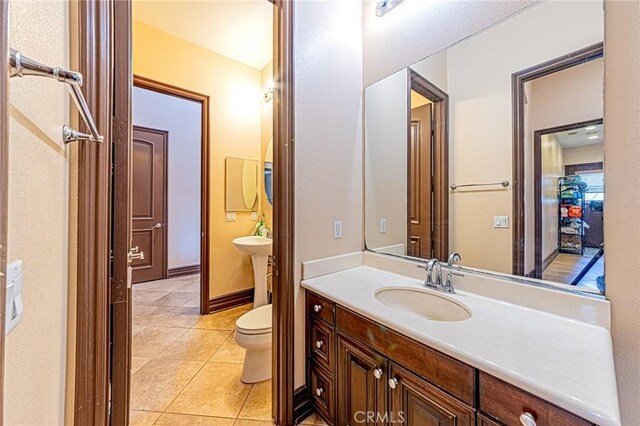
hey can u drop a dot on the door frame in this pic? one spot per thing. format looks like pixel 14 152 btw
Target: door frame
pixel 518 81
pixel 205 175
pixel 439 159
pixel 537 185
pixel 99 25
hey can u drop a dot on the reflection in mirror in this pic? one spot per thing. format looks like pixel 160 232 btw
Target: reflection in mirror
pixel 241 186
pixel 268 172
pixel 475 148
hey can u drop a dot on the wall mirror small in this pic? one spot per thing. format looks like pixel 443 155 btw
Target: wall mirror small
pixel 268 172
pixel 493 147
pixel 241 184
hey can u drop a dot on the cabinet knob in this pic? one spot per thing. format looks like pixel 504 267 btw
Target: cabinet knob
pixel 319 391
pixel 393 383
pixel 317 308
pixel 527 419
pixel 377 373
pixel 319 344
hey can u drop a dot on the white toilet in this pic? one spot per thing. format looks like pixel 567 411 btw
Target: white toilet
pixel 253 333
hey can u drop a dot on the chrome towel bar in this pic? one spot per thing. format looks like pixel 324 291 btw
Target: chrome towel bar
pixel 504 184
pixel 21 66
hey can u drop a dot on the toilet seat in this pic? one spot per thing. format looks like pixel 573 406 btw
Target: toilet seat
pixel 256 321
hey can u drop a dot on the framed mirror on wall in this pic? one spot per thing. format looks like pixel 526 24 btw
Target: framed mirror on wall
pixel 493 147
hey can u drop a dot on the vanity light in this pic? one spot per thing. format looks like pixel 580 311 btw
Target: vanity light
pixel 383 6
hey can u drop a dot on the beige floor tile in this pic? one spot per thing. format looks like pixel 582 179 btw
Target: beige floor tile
pixel 138 362
pixel 229 352
pixel 165 316
pixel 193 303
pixel 196 345
pixel 135 329
pixel 313 419
pixel 258 403
pixel 176 298
pixel 191 286
pixel 225 320
pixel 155 385
pixel 143 297
pixel 160 285
pixel 142 418
pixel 169 419
pixel 246 422
pixel 153 340
pixel 215 391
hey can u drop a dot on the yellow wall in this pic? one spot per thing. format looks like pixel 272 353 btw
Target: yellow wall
pixel 235 115
pixel 41 218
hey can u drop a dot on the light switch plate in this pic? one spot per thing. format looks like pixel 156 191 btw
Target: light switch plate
pixel 230 217
pixel 383 225
pixel 254 215
pixel 14 306
pixel 501 222
pixel 337 229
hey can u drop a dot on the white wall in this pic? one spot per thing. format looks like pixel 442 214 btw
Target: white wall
pixel 182 118
pixel 328 138
pixel 584 154
pixel 39 219
pixel 621 176
pixel 386 131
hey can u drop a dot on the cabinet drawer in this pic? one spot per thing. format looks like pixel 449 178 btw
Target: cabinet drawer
pixel 320 307
pixel 322 344
pixel 486 421
pixel 507 403
pixel 322 393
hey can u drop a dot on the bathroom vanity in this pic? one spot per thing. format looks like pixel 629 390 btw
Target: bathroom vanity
pixel 371 361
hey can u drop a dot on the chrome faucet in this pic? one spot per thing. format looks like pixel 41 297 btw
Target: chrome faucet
pixel 437 284
pixel 429 282
pixel 453 258
pixel 452 266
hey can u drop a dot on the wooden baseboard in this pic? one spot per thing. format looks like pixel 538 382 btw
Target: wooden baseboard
pixel 302 407
pixel 546 262
pixel 231 300
pixel 183 270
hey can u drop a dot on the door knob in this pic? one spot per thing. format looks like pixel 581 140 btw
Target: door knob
pixel 157 225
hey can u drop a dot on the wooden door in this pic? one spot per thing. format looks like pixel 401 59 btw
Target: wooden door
pixel 413 401
pixel 361 385
pixel 420 183
pixel 149 199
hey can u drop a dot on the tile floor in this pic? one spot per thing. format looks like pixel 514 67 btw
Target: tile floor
pixel 186 367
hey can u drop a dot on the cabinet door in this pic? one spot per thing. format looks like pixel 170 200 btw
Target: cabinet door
pixel 413 401
pixel 361 385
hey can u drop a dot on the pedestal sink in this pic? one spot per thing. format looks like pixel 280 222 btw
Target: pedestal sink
pixel 259 248
pixel 425 303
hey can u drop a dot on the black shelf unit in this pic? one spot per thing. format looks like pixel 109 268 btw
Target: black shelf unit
pixel 571 208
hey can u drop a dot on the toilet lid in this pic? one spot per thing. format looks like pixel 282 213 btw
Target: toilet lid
pixel 256 321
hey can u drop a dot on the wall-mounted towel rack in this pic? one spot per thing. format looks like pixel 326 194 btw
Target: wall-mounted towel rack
pixel 504 184
pixel 20 66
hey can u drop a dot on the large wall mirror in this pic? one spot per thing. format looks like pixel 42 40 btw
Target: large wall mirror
pixel 493 147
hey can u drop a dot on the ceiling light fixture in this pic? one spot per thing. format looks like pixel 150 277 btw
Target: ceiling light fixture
pixel 590 128
pixel 383 6
pixel 593 137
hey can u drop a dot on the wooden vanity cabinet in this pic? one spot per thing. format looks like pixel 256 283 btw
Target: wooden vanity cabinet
pixel 362 373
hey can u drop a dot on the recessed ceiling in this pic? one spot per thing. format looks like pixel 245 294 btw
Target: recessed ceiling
pixel 238 29
pixel 589 135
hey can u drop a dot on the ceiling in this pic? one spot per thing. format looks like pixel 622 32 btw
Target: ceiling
pixel 238 29
pixel 580 137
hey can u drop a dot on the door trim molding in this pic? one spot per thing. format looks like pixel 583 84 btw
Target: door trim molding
pixel 518 81
pixel 205 171
pixel 541 264
pixel 4 184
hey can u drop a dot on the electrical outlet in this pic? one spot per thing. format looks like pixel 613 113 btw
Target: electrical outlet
pixel 254 215
pixel 230 217
pixel 501 222
pixel 337 229
pixel 383 225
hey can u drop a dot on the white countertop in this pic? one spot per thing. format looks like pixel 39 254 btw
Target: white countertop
pixel 564 361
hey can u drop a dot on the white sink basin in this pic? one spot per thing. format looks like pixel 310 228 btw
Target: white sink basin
pixel 427 304
pixel 254 246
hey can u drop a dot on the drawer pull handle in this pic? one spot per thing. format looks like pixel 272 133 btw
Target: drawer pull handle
pixel 377 373
pixel 317 308
pixel 319 391
pixel 319 344
pixel 393 383
pixel 527 419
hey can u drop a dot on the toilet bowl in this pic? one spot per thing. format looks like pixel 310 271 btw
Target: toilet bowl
pixel 253 333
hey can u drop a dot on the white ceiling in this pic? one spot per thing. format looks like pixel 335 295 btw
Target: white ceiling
pixel 238 29
pixel 580 137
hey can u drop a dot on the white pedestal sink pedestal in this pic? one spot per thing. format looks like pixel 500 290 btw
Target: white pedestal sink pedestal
pixel 260 249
